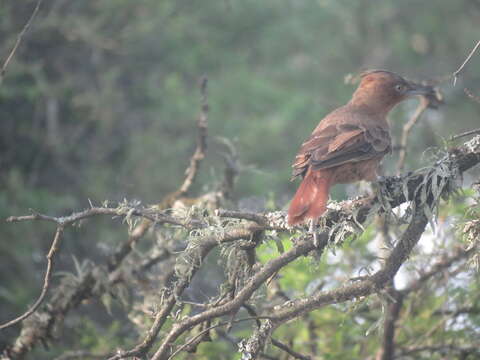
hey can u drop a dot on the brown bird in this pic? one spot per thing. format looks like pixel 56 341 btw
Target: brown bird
pixel 349 143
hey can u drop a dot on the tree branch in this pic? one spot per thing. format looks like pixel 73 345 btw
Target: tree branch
pixel 201 149
pixel 463 158
pixel 460 69
pixel 153 215
pixel 422 106
pixel 399 190
pixel 439 348
pixel 466 133
pixel 290 351
pixel 20 36
pixel 46 282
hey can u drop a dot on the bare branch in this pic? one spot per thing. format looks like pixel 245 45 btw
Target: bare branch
pixel 251 311
pixel 72 355
pixel 203 249
pixel 387 350
pixel 471 153
pixel 371 284
pixel 61 223
pixel 88 284
pixel 190 173
pixel 289 350
pixel 422 106
pixel 440 348
pixel 208 329
pixel 18 41
pixel 396 299
pixel 152 215
pixel 459 70
pixel 201 149
pixel 459 311
pixel 463 158
pixel 458 254
pixel 46 282
pixel 466 133
pixel 471 95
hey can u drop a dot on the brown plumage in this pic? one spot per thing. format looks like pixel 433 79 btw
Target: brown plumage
pixel 349 143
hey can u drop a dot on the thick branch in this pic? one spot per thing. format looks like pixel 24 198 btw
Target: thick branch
pixel 369 285
pixel 387 350
pixel 203 249
pixel 464 158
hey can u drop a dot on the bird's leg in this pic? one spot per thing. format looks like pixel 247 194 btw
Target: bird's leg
pixel 313 231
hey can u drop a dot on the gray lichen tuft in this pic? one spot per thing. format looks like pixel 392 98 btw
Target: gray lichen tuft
pixel 252 347
pixel 473 145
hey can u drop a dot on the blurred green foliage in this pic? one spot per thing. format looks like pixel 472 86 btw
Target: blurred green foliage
pixel 101 97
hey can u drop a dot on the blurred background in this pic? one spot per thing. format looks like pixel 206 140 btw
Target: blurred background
pixel 101 99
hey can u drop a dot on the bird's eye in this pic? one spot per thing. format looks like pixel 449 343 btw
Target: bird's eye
pixel 399 88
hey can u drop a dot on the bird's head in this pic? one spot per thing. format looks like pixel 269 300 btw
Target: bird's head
pixel 381 90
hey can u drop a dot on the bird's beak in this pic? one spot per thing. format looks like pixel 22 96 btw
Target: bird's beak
pixel 414 89
pixel 430 93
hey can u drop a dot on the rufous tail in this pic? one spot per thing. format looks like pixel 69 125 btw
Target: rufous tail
pixel 310 200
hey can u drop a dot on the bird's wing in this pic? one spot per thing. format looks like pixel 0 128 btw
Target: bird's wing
pixel 335 145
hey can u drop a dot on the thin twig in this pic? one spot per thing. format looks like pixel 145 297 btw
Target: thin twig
pixel 244 215
pixel 192 169
pixel 70 355
pixel 251 311
pixel 422 106
pixel 201 149
pixel 437 349
pixel 19 40
pixel 289 350
pixel 456 73
pixel 46 282
pixel 471 95
pixel 203 332
pixel 67 296
pixel 155 216
pixel 466 133
pixel 190 175
pixel 458 254
pixel 68 220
